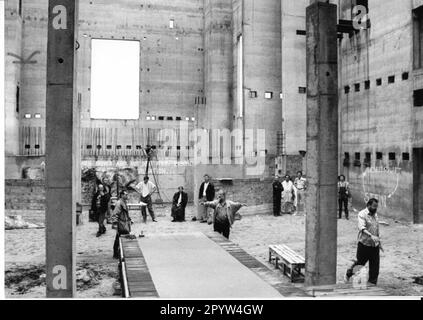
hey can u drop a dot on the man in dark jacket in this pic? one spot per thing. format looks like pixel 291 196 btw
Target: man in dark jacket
pixel 102 206
pixel 180 201
pixel 121 218
pixel 206 194
pixel 277 196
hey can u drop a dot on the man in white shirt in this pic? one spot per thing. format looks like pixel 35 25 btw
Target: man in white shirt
pixel 146 190
pixel 369 243
pixel 300 184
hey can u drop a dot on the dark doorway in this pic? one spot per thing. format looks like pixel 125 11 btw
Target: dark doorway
pixel 418 185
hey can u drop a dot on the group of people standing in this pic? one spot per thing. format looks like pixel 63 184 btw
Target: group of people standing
pixel 288 194
pixel 221 213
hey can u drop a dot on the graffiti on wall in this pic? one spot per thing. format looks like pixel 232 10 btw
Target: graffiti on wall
pixel 22 60
pixel 390 178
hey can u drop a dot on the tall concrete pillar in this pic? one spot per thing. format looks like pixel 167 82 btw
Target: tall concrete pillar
pixel 218 76
pixel 322 143
pixel 62 153
pixel 262 73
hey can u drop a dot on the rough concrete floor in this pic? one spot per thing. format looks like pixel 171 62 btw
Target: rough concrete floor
pixel 401 262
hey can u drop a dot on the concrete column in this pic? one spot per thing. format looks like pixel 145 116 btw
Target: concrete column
pixel 262 73
pixel 218 77
pixel 322 144
pixel 61 154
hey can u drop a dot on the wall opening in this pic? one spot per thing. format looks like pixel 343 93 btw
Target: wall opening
pixel 18 98
pixel 240 78
pixel 115 79
pixel 418 98
pixel 418 185
pixel 418 37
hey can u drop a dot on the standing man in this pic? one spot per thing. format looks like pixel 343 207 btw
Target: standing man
pixel 206 194
pixel 277 196
pixel 121 218
pixel 343 196
pixel 369 244
pixel 102 205
pixel 146 190
pixel 180 201
pixel 223 216
pixel 300 184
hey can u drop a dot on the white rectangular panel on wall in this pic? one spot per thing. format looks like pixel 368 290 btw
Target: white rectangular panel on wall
pixel 115 79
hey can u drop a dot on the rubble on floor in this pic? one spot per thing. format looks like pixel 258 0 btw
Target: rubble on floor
pixel 17 223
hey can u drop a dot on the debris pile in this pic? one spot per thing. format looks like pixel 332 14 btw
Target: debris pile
pixel 18 223
pixel 22 279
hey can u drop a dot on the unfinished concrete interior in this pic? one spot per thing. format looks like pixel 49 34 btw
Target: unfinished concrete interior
pixel 212 69
pixel 189 79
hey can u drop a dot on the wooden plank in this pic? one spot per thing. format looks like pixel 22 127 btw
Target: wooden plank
pixel 139 279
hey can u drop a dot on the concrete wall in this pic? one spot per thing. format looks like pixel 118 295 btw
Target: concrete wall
pixel 13 69
pixel 262 65
pixel 382 118
pixel 294 76
pixel 24 195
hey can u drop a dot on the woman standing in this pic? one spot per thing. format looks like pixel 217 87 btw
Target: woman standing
pixel 343 196
pixel 288 196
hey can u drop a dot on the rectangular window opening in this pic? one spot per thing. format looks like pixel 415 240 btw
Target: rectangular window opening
pixel 347 89
pixel 391 79
pixel 406 156
pixel 379 82
pixel 240 76
pixel 253 94
pixel 367 85
pixel 357 87
pixel 115 79
pixel 392 156
pixel 268 95
pixel 379 156
pixel 18 98
pixel 418 98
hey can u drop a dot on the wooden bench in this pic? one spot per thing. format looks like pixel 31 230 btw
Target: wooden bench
pixel 290 260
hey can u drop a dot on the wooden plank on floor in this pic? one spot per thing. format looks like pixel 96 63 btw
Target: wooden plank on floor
pixel 140 282
pixel 257 267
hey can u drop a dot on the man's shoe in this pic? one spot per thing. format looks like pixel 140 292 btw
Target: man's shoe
pixel 154 220
pixel 98 234
pixel 347 276
pixel 194 219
